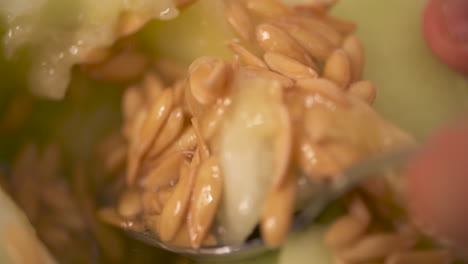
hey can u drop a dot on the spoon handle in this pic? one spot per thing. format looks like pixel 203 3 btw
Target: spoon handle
pixel 349 179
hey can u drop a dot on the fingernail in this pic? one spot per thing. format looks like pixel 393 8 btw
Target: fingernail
pixel 455 15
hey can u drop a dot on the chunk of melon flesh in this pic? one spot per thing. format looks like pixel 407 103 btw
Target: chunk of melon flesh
pixel 414 90
pixel 18 240
pixel 245 149
pixel 58 34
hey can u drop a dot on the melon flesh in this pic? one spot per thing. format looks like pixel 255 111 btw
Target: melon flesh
pixel 57 34
pixel 18 240
pixel 245 149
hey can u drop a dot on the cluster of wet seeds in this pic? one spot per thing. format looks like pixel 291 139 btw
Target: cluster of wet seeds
pixel 38 187
pixel 167 130
pixel 163 148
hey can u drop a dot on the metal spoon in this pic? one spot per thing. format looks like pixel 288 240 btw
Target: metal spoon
pixel 327 193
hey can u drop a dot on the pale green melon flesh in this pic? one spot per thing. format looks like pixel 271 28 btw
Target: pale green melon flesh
pixel 58 34
pixel 11 216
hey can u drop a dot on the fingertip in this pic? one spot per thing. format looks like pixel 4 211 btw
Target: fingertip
pixel 438 185
pixel 445 28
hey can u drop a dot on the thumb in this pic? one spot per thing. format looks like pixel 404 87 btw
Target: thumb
pixel 445 27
